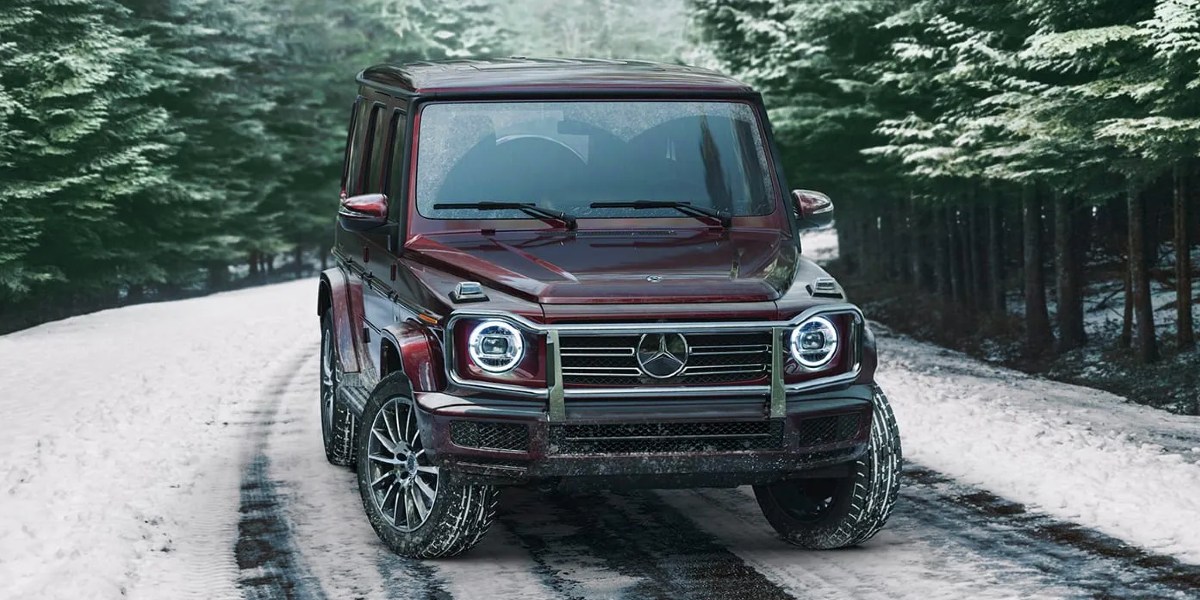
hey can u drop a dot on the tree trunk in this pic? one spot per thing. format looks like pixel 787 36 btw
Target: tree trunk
pixel 298 260
pixel 941 259
pixel 995 255
pixel 218 276
pixel 916 237
pixel 1038 336
pixel 970 254
pixel 1069 315
pixel 136 294
pixel 324 252
pixel 954 239
pixel 1144 343
pixel 1127 313
pixel 1184 328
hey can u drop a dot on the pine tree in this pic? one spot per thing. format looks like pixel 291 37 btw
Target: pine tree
pixel 86 145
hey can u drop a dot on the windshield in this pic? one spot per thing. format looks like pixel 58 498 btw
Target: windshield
pixel 565 156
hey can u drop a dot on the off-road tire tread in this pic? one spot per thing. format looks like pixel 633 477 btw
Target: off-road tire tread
pixel 875 490
pixel 339 448
pixel 462 514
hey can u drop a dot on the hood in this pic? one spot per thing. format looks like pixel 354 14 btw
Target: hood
pixel 618 267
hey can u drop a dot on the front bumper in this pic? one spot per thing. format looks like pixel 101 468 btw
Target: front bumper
pixel 614 442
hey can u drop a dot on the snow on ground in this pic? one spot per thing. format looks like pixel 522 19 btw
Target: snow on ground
pixel 1080 454
pixel 820 245
pixel 121 463
pixel 129 434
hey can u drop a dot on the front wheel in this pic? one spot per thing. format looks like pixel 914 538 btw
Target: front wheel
pixel 821 514
pixel 337 422
pixel 418 509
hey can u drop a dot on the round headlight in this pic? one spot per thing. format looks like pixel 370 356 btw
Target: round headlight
pixel 814 342
pixel 496 346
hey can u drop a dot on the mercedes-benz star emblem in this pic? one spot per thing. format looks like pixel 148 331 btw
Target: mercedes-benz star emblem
pixel 662 355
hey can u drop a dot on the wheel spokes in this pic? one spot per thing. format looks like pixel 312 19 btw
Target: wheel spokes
pixel 385 459
pixel 403 479
pixel 387 443
pixel 409 509
pixel 378 480
pixel 424 487
pixel 418 502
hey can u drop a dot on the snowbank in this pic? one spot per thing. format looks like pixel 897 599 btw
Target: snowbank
pixel 121 454
pixel 1076 453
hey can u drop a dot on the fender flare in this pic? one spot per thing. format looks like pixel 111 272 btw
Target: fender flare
pixel 870 357
pixel 419 355
pixel 339 295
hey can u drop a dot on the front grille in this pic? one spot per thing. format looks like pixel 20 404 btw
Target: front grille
pixel 712 359
pixel 490 436
pixel 829 430
pixel 661 438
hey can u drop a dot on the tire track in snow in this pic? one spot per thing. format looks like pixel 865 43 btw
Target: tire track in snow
pixel 627 545
pixel 271 565
pixel 944 541
pixel 321 508
pixel 1082 557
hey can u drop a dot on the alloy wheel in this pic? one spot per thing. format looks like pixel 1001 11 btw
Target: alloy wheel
pixel 404 482
pixel 330 376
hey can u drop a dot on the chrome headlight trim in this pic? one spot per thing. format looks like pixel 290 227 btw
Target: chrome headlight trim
pixel 498 363
pixel 814 358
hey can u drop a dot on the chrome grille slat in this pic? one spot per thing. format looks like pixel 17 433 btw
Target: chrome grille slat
pixel 712 359
pixel 744 349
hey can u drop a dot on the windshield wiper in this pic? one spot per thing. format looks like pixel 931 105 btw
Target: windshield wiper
pixel 686 208
pixel 528 208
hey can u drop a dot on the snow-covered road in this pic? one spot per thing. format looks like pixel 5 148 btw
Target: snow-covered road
pixel 173 451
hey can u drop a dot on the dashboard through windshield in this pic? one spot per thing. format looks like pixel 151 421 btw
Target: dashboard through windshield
pixel 569 156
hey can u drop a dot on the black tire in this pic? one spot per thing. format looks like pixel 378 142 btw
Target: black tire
pixel 460 513
pixel 337 421
pixel 822 514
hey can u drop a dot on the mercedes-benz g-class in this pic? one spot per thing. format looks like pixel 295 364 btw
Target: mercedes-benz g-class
pixel 587 273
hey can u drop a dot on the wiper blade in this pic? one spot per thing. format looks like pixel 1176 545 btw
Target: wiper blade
pixel 528 208
pixel 686 208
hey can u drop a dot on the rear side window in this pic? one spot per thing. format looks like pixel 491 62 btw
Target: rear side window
pixel 351 153
pixel 360 148
pixel 395 158
pixel 376 159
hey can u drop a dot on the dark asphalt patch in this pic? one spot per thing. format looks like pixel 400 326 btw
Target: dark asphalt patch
pixel 634 535
pixel 270 564
pixel 1071 553
pixel 407 578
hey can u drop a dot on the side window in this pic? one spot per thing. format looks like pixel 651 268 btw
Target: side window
pixel 361 147
pixel 351 152
pixel 379 142
pixel 395 160
pixel 363 140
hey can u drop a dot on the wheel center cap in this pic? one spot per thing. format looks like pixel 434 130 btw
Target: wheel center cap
pixel 410 465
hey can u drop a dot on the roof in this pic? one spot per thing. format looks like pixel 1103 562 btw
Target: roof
pixel 558 74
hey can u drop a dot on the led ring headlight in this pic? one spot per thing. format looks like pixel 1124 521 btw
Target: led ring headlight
pixel 814 342
pixel 496 346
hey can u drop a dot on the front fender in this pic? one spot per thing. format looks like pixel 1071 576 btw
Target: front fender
pixel 420 355
pixel 337 294
pixel 870 358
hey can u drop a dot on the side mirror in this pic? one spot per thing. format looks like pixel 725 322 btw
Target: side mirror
pixel 813 209
pixel 363 213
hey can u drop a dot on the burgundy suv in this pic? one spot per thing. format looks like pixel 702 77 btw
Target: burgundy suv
pixel 587 273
